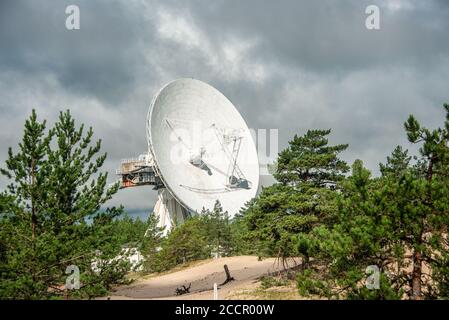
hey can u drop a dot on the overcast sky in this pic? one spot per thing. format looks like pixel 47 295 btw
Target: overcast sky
pixel 286 65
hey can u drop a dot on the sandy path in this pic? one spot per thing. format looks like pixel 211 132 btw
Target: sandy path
pixel 244 269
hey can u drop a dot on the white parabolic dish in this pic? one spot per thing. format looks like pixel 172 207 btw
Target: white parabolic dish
pixel 202 148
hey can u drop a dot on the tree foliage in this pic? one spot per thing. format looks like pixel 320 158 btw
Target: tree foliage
pixel 218 230
pixel 308 172
pixel 51 215
pixel 310 159
pixel 150 245
pixel 199 237
pixel 185 243
pixel 397 222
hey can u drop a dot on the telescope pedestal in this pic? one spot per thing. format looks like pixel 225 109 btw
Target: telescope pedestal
pixel 169 212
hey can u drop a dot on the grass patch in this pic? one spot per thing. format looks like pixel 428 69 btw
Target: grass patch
pixel 269 282
pixel 280 289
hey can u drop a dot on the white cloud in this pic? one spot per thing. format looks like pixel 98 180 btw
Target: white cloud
pixel 396 5
pixel 179 30
pixel 230 58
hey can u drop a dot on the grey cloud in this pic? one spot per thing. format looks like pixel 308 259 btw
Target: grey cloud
pixel 102 59
pixel 324 36
pixel 290 65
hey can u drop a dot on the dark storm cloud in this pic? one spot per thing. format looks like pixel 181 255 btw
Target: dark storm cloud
pixel 101 59
pixel 326 35
pixel 288 65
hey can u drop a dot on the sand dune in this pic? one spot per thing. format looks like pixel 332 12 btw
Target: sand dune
pixel 244 269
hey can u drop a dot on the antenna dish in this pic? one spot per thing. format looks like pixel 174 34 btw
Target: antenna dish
pixel 201 147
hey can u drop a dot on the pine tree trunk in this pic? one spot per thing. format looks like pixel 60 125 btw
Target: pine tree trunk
pixel 416 276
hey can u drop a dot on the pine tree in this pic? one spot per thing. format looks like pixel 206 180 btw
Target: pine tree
pixel 218 229
pixel 150 245
pixel 242 244
pixel 392 222
pixel 397 164
pixel 309 159
pixel 23 214
pixel 187 242
pixel 54 217
pixel 432 214
pixel 308 172
pixel 361 236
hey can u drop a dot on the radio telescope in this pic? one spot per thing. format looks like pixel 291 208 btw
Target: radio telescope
pixel 200 150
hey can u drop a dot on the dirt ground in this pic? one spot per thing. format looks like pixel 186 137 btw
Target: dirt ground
pixel 246 270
